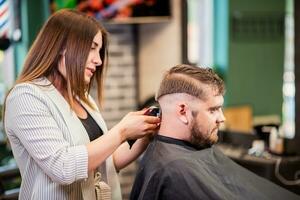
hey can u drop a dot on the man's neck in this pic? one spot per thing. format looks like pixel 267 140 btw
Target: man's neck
pixel 173 131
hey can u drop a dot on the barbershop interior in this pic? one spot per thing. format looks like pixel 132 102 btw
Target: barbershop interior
pixel 253 45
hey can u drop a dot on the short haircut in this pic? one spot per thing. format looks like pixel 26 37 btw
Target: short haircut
pixel 191 80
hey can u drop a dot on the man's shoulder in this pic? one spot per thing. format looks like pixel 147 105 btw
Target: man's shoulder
pixel 164 159
pixel 160 156
pixel 164 166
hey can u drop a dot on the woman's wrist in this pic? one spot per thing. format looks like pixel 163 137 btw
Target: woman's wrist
pixel 146 139
pixel 143 143
pixel 120 133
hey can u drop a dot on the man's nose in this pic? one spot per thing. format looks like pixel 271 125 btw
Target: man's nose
pixel 221 118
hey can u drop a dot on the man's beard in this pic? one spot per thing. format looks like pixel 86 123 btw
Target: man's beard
pixel 200 139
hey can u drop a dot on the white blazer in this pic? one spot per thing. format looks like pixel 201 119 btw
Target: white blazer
pixel 48 142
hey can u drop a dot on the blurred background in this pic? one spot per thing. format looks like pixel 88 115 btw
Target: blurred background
pixel 253 45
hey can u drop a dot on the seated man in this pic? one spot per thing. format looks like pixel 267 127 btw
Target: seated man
pixel 181 161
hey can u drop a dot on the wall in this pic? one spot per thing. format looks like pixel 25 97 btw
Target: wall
pixel 159 49
pixel 120 87
pixel 255 72
pixel 33 15
pixel 120 81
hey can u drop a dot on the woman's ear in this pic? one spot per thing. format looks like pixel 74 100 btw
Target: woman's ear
pixel 63 52
pixel 62 64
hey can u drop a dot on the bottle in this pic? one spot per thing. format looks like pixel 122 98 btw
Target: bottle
pixel 275 141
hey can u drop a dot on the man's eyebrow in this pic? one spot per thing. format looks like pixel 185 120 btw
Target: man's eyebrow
pixel 215 107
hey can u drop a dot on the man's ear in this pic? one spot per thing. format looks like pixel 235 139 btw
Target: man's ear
pixel 183 113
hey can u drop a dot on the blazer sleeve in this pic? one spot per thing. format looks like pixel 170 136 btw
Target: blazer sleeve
pixel 30 122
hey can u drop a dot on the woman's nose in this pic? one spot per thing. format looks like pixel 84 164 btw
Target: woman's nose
pixel 97 60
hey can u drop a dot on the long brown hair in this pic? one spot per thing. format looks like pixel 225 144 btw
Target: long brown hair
pixel 74 32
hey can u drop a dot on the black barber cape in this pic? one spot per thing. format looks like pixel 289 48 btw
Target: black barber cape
pixel 175 170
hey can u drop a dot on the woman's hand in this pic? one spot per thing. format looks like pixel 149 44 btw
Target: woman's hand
pixel 136 125
pixel 133 126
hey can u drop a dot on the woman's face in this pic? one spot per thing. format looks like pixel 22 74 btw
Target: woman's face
pixel 94 59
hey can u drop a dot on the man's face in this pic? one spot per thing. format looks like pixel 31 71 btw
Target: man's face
pixel 207 118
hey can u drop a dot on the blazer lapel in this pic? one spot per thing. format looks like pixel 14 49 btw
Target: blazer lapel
pixel 77 130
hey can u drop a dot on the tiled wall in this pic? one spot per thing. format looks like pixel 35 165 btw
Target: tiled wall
pixel 120 82
pixel 120 87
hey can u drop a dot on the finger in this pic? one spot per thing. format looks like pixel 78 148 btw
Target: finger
pixel 151 127
pixel 144 109
pixel 151 119
pixel 141 112
pixel 151 133
pixel 157 128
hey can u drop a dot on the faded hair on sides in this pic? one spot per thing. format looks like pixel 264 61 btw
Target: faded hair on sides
pixel 190 80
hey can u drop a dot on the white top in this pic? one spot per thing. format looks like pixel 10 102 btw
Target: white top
pixel 47 140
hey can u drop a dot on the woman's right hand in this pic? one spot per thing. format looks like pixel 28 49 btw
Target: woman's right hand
pixel 136 125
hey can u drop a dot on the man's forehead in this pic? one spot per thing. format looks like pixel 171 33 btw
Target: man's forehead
pixel 215 100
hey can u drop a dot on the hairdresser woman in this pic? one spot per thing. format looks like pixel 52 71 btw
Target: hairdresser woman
pixel 57 135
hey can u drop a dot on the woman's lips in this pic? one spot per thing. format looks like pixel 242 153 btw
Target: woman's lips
pixel 91 71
